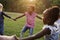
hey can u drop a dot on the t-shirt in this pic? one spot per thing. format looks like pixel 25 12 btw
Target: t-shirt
pixel 30 19
pixel 58 24
pixel 54 32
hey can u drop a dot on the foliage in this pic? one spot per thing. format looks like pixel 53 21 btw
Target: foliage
pixel 21 5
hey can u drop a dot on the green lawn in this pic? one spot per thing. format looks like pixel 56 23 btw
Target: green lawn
pixel 14 27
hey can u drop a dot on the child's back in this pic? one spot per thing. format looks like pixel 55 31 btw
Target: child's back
pixel 54 32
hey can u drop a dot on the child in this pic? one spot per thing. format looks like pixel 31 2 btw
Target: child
pixel 58 24
pixel 4 37
pixel 50 30
pixel 2 14
pixel 30 20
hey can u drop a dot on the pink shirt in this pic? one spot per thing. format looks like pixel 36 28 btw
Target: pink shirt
pixel 30 19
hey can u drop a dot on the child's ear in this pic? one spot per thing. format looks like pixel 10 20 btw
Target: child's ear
pixel 15 37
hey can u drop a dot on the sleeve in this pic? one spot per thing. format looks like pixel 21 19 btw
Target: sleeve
pixel 25 14
pixel 46 26
pixel 6 15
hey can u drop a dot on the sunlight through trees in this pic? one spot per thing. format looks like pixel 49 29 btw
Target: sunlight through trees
pixel 21 5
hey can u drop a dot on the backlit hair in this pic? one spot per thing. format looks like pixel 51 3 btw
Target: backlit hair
pixel 1 5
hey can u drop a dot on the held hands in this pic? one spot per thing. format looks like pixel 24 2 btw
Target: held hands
pixel 13 19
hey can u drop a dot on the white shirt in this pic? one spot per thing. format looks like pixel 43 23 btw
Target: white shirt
pixel 54 32
pixel 58 24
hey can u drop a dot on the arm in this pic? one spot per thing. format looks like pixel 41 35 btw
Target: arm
pixel 39 17
pixel 6 15
pixel 39 35
pixel 20 16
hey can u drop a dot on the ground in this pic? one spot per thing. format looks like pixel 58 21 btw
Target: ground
pixel 14 27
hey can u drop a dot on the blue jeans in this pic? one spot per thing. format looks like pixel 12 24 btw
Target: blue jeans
pixel 25 29
pixel 1 27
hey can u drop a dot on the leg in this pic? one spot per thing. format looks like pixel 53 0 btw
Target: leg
pixel 23 31
pixel 1 28
pixel 31 31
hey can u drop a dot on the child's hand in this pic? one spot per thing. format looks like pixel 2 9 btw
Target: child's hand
pixel 14 19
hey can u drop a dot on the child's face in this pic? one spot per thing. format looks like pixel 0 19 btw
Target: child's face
pixel 31 9
pixel 1 8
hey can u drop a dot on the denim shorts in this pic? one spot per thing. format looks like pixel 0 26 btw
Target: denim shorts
pixel 25 28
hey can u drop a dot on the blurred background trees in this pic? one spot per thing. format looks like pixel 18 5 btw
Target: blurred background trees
pixel 21 5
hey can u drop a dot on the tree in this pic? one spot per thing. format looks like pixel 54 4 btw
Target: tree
pixel 21 5
pixel 47 3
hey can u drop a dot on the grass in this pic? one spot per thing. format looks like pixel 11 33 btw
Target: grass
pixel 14 27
